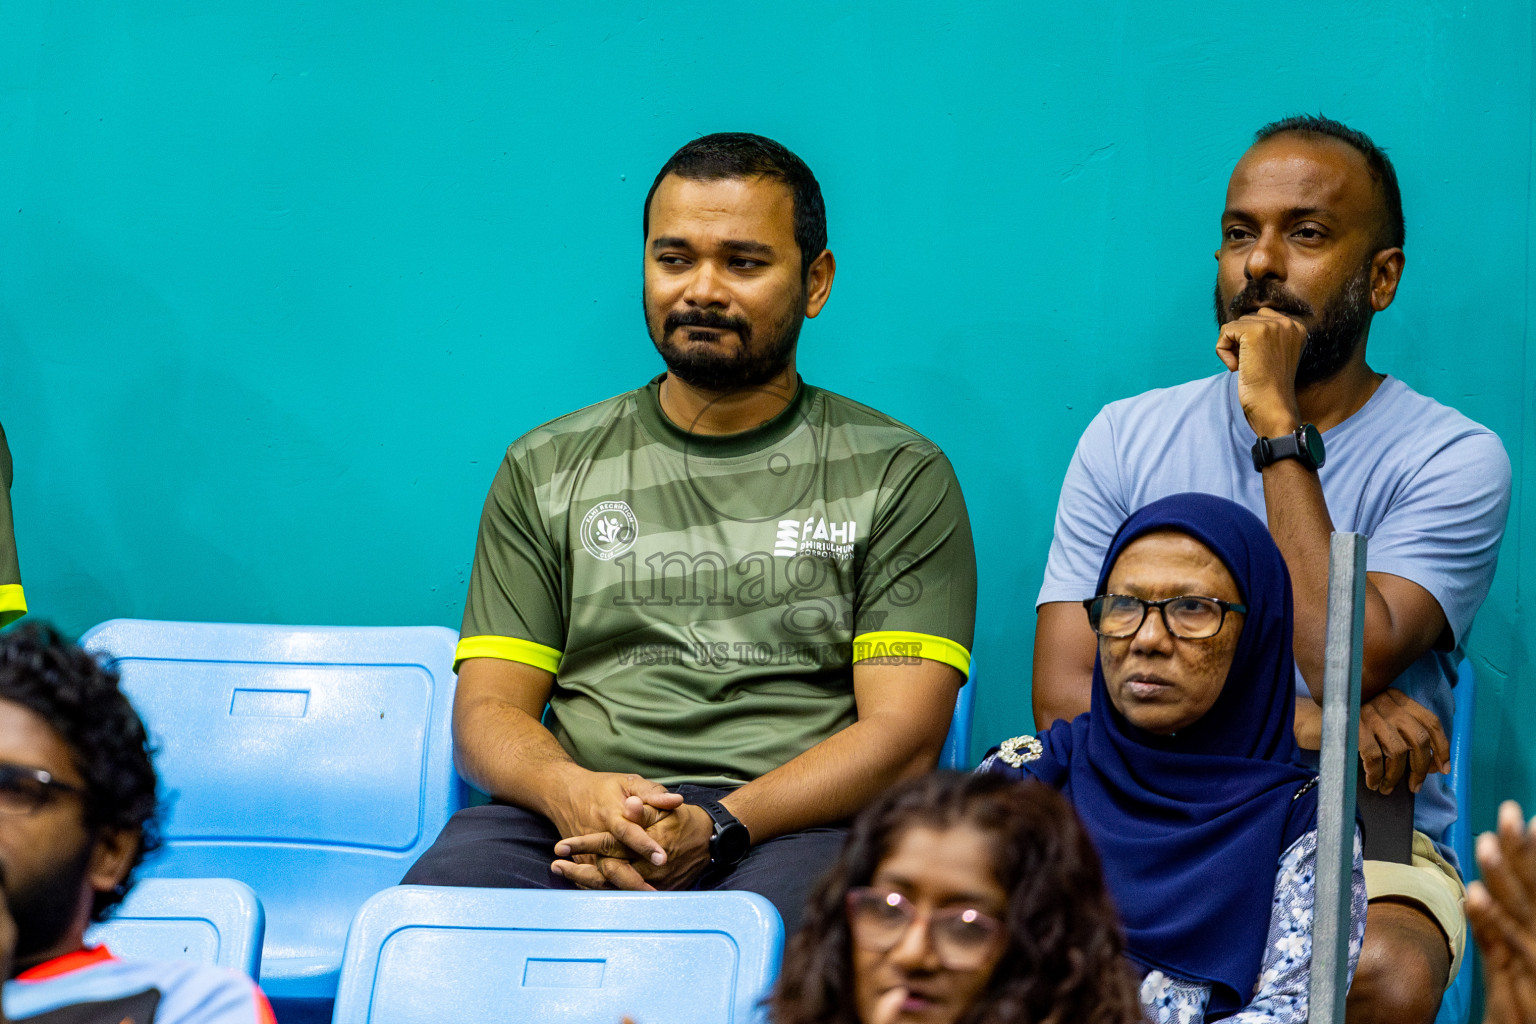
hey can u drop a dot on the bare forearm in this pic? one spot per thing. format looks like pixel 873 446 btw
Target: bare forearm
pixel 1052 707
pixel 835 778
pixel 1065 648
pixel 1302 527
pixel 506 752
pixel 1309 724
pixel 1061 674
pixel 904 708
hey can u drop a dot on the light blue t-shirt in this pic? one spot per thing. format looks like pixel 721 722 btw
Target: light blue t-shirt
pixel 1427 485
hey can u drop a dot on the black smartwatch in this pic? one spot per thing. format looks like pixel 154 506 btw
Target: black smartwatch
pixel 731 840
pixel 1305 446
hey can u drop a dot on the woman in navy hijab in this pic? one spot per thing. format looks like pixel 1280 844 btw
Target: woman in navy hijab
pixel 1185 770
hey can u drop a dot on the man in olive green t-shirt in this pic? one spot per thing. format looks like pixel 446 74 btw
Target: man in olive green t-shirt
pixel 13 603
pixel 711 618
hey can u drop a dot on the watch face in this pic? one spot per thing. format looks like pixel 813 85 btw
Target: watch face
pixel 730 844
pixel 1314 442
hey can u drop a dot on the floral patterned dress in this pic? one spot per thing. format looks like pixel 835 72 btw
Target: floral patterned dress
pixel 1281 993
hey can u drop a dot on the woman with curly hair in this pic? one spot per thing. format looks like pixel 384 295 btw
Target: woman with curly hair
pixel 960 898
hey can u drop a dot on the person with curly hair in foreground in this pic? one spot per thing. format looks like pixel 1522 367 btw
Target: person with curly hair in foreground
pixel 960 898
pixel 78 812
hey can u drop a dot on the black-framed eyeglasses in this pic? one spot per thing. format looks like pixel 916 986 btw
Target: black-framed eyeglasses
pixel 962 937
pixel 1188 616
pixel 23 790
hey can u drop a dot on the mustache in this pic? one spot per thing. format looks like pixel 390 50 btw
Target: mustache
pixel 678 319
pixel 1266 292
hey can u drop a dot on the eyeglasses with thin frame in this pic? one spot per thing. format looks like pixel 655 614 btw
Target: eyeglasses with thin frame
pixel 1188 616
pixel 962 937
pixel 24 790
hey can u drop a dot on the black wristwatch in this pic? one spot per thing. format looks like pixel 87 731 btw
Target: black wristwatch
pixel 1305 446
pixel 731 840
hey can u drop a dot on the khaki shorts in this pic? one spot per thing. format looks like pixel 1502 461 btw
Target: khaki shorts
pixel 1429 881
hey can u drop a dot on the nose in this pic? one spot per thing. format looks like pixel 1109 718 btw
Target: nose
pixel 914 950
pixel 1266 257
pixel 706 287
pixel 1153 634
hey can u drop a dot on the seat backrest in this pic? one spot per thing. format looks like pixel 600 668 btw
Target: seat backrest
pixel 216 921
pixel 1459 836
pixel 420 954
pixel 314 764
pixel 1456 1004
pixel 957 745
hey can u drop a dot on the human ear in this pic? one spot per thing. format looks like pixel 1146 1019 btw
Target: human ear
pixel 111 857
pixel 1386 272
pixel 818 282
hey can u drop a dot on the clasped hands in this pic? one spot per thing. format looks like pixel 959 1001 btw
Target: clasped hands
pixel 626 832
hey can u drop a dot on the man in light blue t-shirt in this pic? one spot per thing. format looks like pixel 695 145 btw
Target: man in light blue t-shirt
pixel 1303 432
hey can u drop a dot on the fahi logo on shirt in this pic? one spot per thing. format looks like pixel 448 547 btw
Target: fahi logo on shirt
pixel 816 536
pixel 609 530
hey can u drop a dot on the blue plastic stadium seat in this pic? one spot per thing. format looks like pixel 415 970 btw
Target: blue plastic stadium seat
pixel 424 955
pixel 208 920
pixel 957 745
pixel 1456 1005
pixel 314 764
pixel 1459 836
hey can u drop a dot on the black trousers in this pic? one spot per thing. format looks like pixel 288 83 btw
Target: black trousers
pixel 503 847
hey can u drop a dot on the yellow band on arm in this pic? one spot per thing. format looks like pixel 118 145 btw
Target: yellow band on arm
pixel 507 648
pixel 13 603
pixel 894 643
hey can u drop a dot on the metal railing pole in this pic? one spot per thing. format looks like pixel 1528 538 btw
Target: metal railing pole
pixel 1344 651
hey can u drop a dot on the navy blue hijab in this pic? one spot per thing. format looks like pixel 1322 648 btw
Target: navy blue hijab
pixel 1191 827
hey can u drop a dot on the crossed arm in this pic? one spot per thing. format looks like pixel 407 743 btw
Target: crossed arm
pixel 629 832
pixel 1399 737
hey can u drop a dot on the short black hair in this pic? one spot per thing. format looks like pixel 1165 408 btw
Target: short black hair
pixel 79 697
pixel 1382 171
pixel 744 155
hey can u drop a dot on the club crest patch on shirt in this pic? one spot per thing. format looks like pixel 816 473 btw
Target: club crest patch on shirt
pixel 609 530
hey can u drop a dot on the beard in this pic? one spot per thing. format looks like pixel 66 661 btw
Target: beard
pixel 1331 341
pixel 707 368
pixel 45 910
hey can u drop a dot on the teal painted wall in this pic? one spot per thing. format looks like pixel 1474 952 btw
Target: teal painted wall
pixel 278 282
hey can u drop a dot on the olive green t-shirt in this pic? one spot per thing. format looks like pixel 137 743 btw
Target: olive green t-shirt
pixel 702 599
pixel 13 603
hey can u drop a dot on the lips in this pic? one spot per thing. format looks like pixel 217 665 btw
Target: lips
pixel 907 1001
pixel 1250 310
pixel 916 1004
pixel 1147 686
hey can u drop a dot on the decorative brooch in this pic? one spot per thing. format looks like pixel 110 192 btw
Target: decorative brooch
pixel 1019 750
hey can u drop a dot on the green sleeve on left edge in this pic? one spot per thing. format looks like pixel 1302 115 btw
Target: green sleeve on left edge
pixel 13 603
